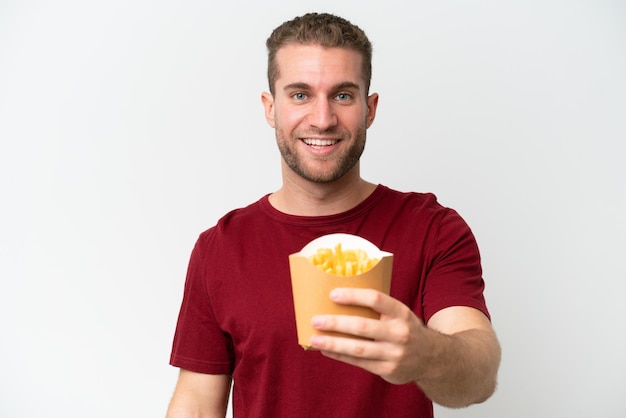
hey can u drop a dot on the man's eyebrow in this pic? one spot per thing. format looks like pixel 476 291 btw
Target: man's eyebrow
pixel 297 86
pixel 347 85
pixel 304 86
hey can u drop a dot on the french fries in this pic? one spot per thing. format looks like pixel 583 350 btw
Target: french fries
pixel 342 262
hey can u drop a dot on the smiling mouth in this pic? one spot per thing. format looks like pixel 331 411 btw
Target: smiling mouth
pixel 319 143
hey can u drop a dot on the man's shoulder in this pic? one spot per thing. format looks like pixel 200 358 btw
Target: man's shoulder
pixel 419 209
pixel 238 219
pixel 422 200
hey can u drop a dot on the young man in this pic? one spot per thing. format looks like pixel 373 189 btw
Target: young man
pixel 434 340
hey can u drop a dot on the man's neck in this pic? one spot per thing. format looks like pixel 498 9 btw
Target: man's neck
pixel 305 198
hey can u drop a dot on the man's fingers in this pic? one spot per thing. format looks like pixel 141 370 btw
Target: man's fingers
pixel 348 347
pixel 347 324
pixel 378 301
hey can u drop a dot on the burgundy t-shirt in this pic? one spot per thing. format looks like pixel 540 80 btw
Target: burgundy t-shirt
pixel 237 315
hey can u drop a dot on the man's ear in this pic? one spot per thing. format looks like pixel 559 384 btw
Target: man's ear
pixel 268 103
pixel 372 105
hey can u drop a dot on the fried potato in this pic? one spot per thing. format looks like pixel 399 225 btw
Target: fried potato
pixel 342 262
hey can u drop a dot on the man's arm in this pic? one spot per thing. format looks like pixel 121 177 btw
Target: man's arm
pixel 466 358
pixel 455 359
pixel 199 395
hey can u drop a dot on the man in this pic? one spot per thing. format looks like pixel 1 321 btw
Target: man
pixel 434 340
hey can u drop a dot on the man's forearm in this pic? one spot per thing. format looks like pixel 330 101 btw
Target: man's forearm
pixel 199 395
pixel 463 368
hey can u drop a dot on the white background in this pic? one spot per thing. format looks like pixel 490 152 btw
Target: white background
pixel 127 127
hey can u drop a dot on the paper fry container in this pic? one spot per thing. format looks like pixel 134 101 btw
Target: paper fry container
pixel 311 286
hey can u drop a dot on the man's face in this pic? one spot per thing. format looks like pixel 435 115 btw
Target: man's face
pixel 320 110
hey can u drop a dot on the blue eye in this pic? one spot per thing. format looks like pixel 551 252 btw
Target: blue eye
pixel 343 96
pixel 299 96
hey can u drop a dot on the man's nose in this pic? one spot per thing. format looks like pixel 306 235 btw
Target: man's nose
pixel 322 115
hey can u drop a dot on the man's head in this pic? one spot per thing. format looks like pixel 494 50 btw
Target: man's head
pixel 322 29
pixel 319 104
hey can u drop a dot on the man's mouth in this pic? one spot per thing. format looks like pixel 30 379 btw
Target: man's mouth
pixel 319 143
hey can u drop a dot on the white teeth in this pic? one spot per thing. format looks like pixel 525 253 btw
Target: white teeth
pixel 319 142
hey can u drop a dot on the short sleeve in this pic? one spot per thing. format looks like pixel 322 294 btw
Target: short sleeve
pixel 199 344
pixel 455 274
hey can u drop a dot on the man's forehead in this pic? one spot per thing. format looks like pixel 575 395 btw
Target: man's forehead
pixel 313 60
pixel 297 48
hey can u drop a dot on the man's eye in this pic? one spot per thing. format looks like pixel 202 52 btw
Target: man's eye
pixel 299 96
pixel 343 96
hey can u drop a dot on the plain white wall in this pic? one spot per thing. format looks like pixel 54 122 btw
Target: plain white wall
pixel 127 127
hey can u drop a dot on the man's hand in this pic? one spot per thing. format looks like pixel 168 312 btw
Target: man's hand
pixel 454 359
pixel 394 349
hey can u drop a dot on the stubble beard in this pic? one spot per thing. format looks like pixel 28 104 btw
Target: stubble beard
pixel 342 165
